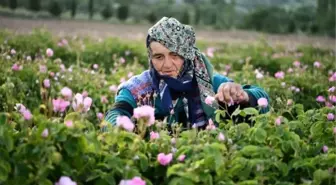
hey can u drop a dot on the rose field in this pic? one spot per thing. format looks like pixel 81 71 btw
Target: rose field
pixel 55 91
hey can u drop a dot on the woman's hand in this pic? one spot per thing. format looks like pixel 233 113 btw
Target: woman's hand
pixel 231 93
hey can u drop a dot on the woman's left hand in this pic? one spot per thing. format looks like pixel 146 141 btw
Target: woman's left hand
pixel 231 93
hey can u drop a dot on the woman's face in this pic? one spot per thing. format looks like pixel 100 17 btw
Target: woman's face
pixel 165 61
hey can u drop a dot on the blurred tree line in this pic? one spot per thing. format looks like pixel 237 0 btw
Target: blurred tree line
pixel 274 16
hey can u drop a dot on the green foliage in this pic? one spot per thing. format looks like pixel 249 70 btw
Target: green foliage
pixel 197 15
pixel 185 18
pixel 306 19
pixel 55 8
pixel 13 4
pixel 3 3
pixel 73 8
pixel 107 12
pixel 151 17
pixel 122 12
pixel 292 152
pixel 35 5
pixel 272 16
pixel 273 20
pixel 91 8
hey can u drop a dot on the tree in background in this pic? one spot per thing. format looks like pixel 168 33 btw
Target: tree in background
pixel 185 17
pixel 322 8
pixel 73 8
pixel 197 15
pixel 13 4
pixel 55 8
pixel 332 6
pixel 91 9
pixel 322 12
pixel 326 16
pixel 197 11
pixel 35 5
pixel 122 12
pixel 331 22
pixel 3 3
pixel 107 11
pixel 151 17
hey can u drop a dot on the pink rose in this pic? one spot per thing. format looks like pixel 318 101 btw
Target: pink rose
pixel 49 52
pixel 221 137
pixel 154 135
pixel 66 92
pixel 279 75
pixel 164 159
pixel 181 158
pixel 46 83
pixel 60 105
pixel 64 180
pixel 262 102
pixel 278 120
pixel 125 122
pixel 209 100
pixel 146 112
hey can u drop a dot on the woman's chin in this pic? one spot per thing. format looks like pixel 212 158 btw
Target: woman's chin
pixel 172 75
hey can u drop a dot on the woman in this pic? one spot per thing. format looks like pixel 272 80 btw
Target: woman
pixel 179 80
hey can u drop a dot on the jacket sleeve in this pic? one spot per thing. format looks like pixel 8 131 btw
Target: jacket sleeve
pixel 123 105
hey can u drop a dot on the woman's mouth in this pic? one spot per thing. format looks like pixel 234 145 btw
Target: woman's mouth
pixel 169 73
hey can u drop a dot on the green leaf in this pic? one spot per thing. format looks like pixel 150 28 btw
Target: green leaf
pixel 299 109
pixel 251 111
pixel 245 173
pixel 74 116
pixel 250 150
pixel 260 135
pixel 330 158
pixel 316 129
pixel 243 127
pixel 295 146
pixel 218 118
pixel 282 167
pixel 242 113
pixel 181 171
pixel 185 149
pixel 321 175
pixel 93 175
pixel 284 183
pixel 45 182
pixel 249 182
pixel 236 112
pixel 109 178
pixel 75 145
pixel 181 181
pixel 3 118
pixel 102 182
pixel 209 180
pixel 143 162
pixel 294 124
pixel 206 178
pixel 5 169
pixel 154 147
pixel 6 137
pixel 218 146
pixel 175 169
pixel 238 164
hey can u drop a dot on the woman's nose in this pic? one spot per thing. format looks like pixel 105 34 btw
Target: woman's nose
pixel 168 63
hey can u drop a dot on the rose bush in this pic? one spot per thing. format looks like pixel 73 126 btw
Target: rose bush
pixel 53 98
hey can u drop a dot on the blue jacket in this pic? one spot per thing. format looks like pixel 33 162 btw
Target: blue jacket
pixel 125 101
